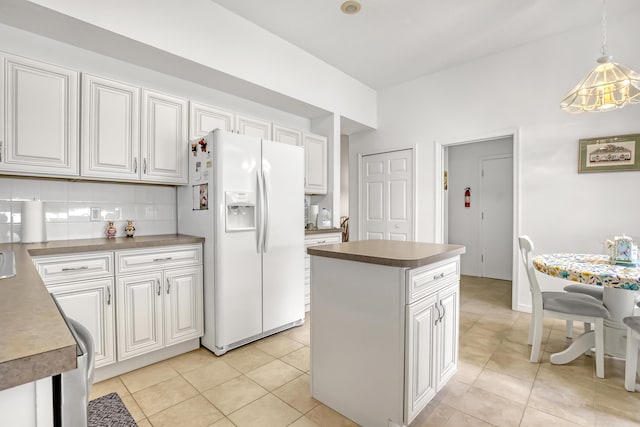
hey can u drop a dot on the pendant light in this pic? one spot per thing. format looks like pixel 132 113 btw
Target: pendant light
pixel 607 87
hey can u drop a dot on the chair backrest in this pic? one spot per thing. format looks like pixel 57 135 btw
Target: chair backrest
pixel 526 247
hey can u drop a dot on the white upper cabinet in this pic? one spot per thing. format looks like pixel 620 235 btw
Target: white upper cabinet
pixel 251 126
pixel 110 129
pixel 315 164
pixel 41 128
pixel 204 119
pixel 287 135
pixel 164 138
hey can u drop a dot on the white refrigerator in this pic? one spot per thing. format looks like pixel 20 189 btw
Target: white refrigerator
pixel 245 197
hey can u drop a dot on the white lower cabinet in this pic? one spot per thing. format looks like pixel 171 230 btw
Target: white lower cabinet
pixel 91 303
pixel 161 306
pixel 431 345
pixel 309 241
pixel 155 300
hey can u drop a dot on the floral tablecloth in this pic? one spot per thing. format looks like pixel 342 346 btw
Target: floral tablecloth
pixel 590 269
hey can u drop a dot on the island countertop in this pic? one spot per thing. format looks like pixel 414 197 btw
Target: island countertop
pixel 388 252
pixel 34 339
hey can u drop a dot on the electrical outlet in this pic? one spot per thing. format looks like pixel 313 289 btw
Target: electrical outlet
pixel 95 214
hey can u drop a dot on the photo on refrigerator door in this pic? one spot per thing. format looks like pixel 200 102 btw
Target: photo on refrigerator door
pixel 200 197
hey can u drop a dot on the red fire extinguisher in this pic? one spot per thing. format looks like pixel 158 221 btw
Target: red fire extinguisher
pixel 467 197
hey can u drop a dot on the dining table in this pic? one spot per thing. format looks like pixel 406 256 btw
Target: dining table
pixel 621 291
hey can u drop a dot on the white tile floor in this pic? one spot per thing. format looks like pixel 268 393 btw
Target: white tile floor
pixel 267 383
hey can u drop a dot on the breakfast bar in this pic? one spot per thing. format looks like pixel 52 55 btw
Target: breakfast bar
pixel 384 327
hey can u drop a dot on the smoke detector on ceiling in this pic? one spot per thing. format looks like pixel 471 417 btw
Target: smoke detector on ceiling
pixel 350 7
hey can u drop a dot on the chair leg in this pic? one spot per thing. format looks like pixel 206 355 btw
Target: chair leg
pixel 531 327
pixel 631 364
pixel 569 331
pixel 587 328
pixel 599 329
pixel 537 336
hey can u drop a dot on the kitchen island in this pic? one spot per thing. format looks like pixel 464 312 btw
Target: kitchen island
pixel 384 327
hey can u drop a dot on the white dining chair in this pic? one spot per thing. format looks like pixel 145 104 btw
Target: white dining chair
pixel 595 291
pixel 561 305
pixel 633 342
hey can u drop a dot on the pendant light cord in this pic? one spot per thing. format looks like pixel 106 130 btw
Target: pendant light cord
pixel 605 47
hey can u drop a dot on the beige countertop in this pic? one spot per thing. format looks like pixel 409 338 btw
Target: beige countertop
pixel 388 252
pixel 322 231
pixel 34 339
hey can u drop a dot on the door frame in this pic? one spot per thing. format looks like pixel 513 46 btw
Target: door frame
pixel 481 204
pixel 441 211
pixel 414 213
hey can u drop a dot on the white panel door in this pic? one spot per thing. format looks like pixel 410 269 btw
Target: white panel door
pixel 92 303
pixel 315 164
pixel 203 119
pixel 252 126
pixel 387 196
pixel 110 129
pixel 183 304
pixel 420 381
pixel 140 315
pixel 238 260
pixel 287 135
pixel 496 229
pixel 41 112
pixel 164 139
pixel 282 259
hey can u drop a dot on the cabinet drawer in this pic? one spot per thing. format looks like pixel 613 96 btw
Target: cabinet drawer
pixel 322 240
pixel 163 257
pixel 70 268
pixel 422 281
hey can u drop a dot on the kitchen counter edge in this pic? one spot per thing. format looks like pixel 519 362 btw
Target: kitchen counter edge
pixel 388 252
pixel 35 342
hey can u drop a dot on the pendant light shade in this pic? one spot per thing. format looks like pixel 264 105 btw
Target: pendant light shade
pixel 607 87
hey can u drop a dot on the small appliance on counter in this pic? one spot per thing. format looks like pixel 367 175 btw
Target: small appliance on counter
pixel 312 215
pixel 32 218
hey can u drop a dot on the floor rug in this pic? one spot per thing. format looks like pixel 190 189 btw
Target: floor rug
pixel 109 411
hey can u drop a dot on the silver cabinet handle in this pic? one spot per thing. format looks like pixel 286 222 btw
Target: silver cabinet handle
pixel 144 165
pixel 84 267
pixel 444 310
pixel 322 241
pixel 1 148
pixel 158 284
pixel 168 285
pixel 439 315
pixel 438 276
pixel 162 259
pixel 135 165
pixel 108 295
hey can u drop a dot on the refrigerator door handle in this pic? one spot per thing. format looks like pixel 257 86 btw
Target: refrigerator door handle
pixel 259 203
pixel 267 208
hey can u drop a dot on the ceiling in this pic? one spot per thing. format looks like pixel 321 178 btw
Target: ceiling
pixel 393 41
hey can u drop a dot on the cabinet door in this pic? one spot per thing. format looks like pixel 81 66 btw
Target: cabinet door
pixel 204 119
pixel 447 359
pixel 183 305
pixel 140 325
pixel 110 129
pixel 420 376
pixel 91 303
pixel 253 127
pixel 164 146
pixel 286 135
pixel 41 127
pixel 315 159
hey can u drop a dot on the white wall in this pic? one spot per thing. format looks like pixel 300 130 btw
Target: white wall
pixel 521 88
pixel 464 223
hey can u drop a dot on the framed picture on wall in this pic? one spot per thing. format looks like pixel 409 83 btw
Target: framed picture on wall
pixel 609 154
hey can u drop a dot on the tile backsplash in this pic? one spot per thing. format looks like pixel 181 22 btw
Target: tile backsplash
pixel 67 207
